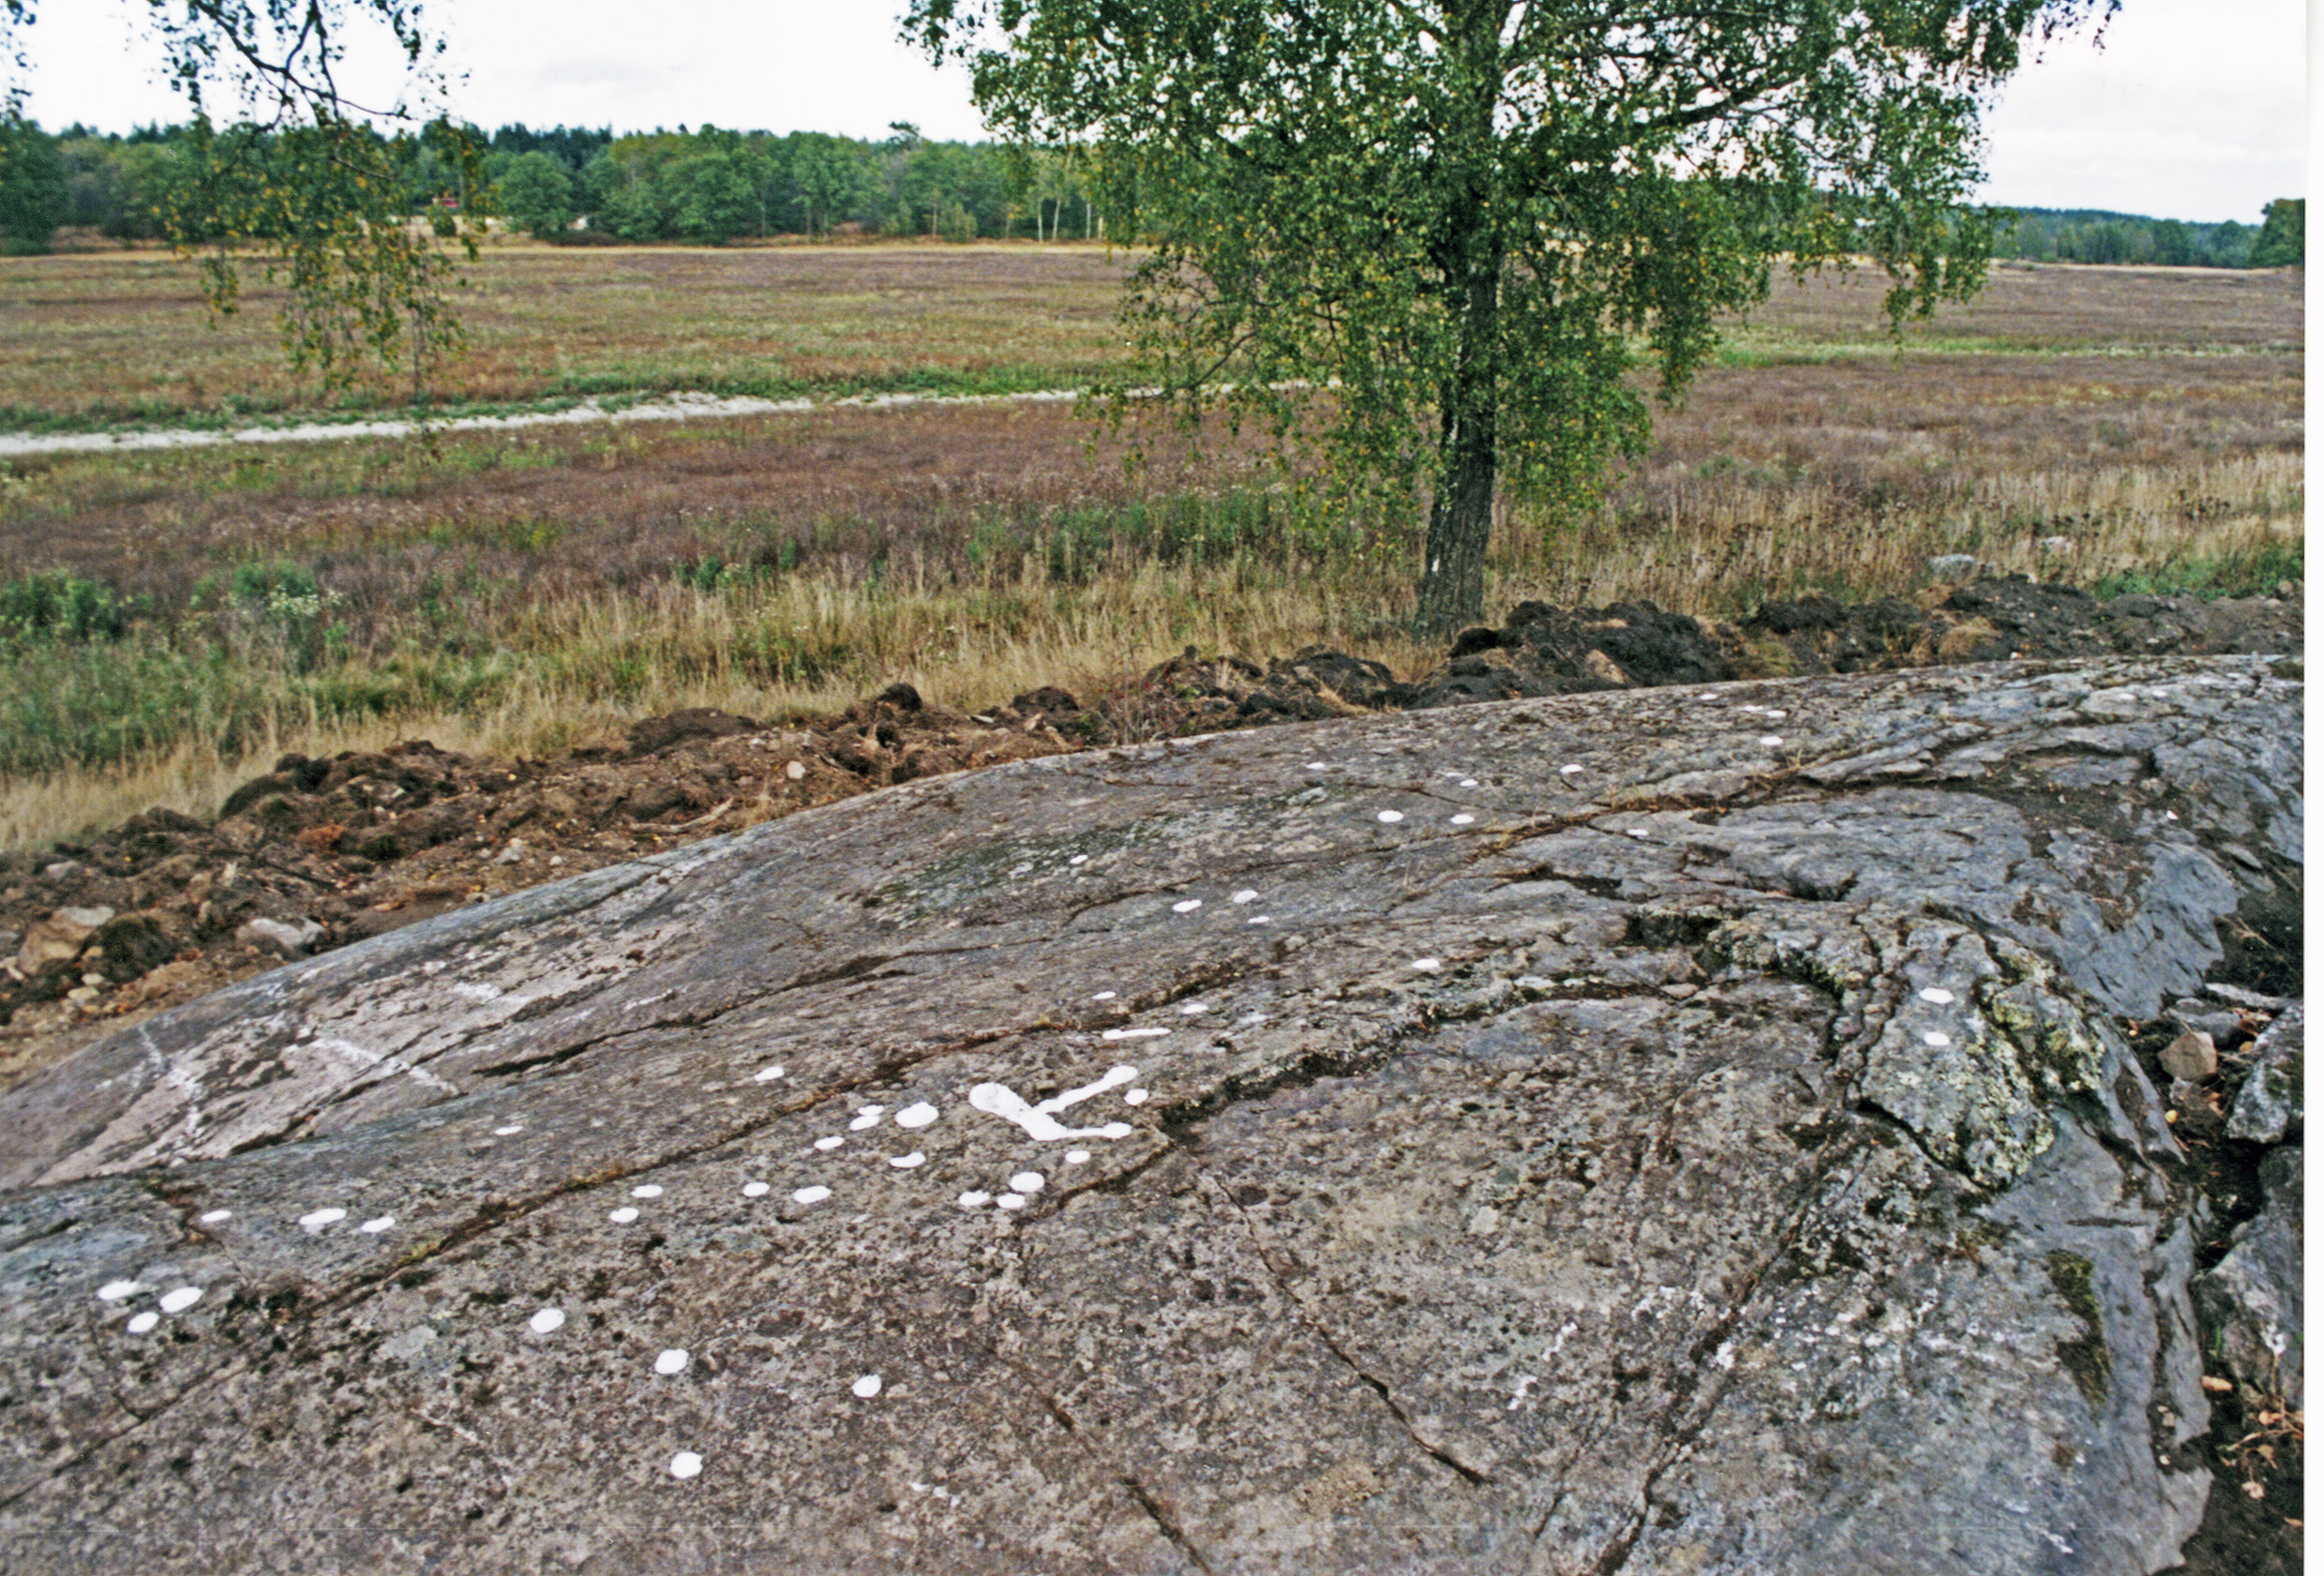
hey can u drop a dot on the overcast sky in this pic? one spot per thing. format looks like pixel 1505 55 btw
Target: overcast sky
pixel 2193 108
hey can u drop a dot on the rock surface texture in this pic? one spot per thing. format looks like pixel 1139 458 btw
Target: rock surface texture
pixel 1679 1130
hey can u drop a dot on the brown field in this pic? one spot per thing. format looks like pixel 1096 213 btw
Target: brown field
pixel 88 339
pixel 516 592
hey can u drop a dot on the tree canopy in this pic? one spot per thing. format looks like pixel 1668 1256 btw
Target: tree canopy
pixel 1437 237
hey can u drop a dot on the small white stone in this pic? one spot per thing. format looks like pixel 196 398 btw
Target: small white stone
pixel 767 1075
pixel 754 1189
pixel 1011 1201
pixel 547 1321
pixel 622 1216
pixel 1464 820
pixel 113 1291
pixel 1187 907
pixel 1077 1157
pixel 906 1163
pixel 973 1199
pixel 1025 1181
pixel 181 1299
pixel 509 1132
pixel 671 1361
pixel 866 1388
pixel 650 1190
pixel 317 1219
pixel 811 1196
pixel 1427 965
pixel 1247 895
pixel 377 1225
pixel 1389 817
pixel 828 1145
pixel 143 1323
pixel 1939 995
pixel 1137 1097
pixel 685 1464
pixel 1936 1040
pixel 916 1116
pixel 216 1216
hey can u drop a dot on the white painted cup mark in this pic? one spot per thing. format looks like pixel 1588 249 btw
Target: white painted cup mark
pixel 974 1199
pixel 1569 769
pixel 906 1163
pixel 865 1388
pixel 1009 1201
pixel 672 1361
pixel 1136 1097
pixel 1389 817
pixel 217 1216
pixel 1771 740
pixel 113 1291
pixel 509 1132
pixel 828 1145
pixel 916 1116
pixel 143 1323
pixel 767 1075
pixel 622 1216
pixel 181 1299
pixel 316 1220
pixel 1025 1182
pixel 1248 895
pixel 1187 907
pixel 1193 1009
pixel 1077 1157
pixel 685 1464
pixel 1939 995
pixel 377 1225
pixel 650 1190
pixel 547 1321
pixel 811 1196
pixel 1936 1040
pixel 1134 1033
pixel 754 1190
pixel 1427 965
pixel 1464 820
pixel 1104 996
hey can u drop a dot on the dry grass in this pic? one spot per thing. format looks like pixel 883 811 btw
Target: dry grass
pixel 89 338
pixel 517 594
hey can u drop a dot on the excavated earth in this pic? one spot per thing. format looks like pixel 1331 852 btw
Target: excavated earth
pixel 101 933
pixel 1715 1129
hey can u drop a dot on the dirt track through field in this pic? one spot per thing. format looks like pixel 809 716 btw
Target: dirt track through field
pixel 673 407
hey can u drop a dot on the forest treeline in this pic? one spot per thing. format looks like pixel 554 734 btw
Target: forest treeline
pixel 2091 236
pixel 575 185
pixel 708 186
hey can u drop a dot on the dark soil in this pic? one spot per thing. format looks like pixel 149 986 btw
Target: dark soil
pixel 335 851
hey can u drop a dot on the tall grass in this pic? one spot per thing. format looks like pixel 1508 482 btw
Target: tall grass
pixel 104 717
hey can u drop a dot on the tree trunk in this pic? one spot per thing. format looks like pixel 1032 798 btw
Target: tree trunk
pixel 1452 580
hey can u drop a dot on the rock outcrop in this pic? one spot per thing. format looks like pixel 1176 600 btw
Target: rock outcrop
pixel 1688 1130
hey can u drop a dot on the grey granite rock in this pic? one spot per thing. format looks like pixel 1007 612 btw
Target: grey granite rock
pixel 2271 1107
pixel 2251 1300
pixel 1657 1132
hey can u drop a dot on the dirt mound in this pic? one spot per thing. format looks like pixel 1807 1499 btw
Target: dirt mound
pixel 318 853
pixel 1553 650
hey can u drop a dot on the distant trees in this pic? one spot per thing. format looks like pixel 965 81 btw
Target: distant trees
pixel 2089 235
pixel 33 192
pixel 537 194
pixel 2282 235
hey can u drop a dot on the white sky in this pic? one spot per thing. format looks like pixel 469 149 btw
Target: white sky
pixel 2195 109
